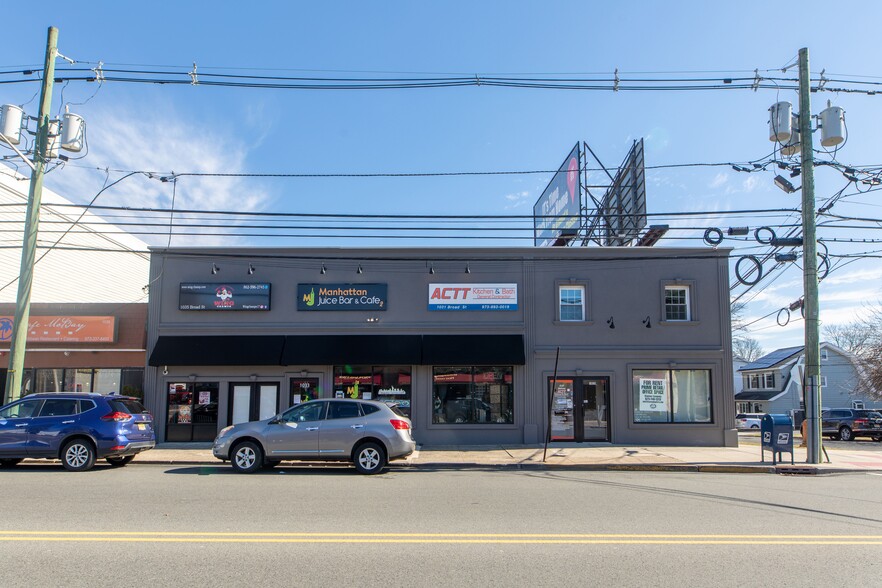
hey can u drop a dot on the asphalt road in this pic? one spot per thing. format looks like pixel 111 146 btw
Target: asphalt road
pixel 150 525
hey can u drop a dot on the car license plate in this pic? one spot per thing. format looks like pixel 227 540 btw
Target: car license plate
pixel 142 427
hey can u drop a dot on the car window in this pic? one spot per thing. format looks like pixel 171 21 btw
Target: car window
pixel 85 405
pixel 127 406
pixel 369 408
pixel 874 415
pixel 303 413
pixel 343 410
pixel 397 411
pixel 58 407
pixel 22 410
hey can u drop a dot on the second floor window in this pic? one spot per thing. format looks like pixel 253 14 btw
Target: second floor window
pixel 572 303
pixel 677 303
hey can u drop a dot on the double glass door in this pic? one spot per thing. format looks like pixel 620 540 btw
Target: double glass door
pixel 253 401
pixel 579 409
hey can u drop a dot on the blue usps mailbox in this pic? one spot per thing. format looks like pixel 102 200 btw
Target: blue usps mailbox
pixel 777 436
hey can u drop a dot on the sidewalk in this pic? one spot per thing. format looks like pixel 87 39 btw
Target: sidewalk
pixel 584 457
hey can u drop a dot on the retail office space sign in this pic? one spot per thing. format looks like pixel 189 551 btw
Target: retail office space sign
pixel 341 296
pixel 224 296
pixel 473 296
pixel 64 329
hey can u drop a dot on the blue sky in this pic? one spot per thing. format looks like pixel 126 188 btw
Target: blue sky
pixel 199 128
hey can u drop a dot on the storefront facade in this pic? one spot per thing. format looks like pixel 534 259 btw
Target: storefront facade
pixel 478 346
pixel 88 347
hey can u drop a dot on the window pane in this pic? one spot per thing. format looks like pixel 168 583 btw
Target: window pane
pixel 50 380
pixel 572 307
pixel 677 304
pixel 58 407
pixel 651 396
pixel 472 395
pixel 83 380
pixel 352 381
pixel 133 382
pixel 393 386
pixel 107 380
pixel 691 393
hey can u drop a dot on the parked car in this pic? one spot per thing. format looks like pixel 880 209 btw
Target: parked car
pixel 848 423
pixel 367 433
pixel 76 428
pixel 748 420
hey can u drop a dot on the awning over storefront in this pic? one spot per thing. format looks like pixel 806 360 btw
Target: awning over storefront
pixel 351 349
pixel 231 350
pixel 218 350
pixel 473 350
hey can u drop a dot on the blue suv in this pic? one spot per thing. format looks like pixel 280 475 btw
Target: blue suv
pixel 76 428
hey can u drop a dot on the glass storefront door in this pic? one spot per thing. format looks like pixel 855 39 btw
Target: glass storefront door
pixel 580 409
pixel 192 411
pixel 253 401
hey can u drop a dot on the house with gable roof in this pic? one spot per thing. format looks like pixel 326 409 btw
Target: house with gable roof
pixel 774 383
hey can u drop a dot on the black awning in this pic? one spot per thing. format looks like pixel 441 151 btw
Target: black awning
pixel 352 350
pixel 218 350
pixel 473 350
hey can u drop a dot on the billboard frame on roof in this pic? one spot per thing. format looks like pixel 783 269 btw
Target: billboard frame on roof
pixel 558 211
pixel 623 208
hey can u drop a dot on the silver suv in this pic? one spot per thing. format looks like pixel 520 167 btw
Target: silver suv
pixel 364 432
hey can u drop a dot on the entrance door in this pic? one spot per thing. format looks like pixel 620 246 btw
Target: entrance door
pixel 254 401
pixel 580 409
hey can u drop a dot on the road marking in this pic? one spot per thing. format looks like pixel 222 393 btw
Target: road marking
pixel 450 538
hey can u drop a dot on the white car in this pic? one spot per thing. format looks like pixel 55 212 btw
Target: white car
pixel 748 420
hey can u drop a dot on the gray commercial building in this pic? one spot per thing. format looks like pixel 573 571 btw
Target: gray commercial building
pixel 478 345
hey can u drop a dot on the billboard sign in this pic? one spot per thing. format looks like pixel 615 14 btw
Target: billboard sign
pixel 473 296
pixel 559 209
pixel 226 296
pixel 624 205
pixel 342 296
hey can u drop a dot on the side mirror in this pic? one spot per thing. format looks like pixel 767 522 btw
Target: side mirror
pixel 277 420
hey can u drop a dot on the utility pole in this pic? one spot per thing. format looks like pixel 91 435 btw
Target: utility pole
pixel 812 376
pixel 32 218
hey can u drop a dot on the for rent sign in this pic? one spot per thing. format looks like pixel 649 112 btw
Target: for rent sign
pixel 473 296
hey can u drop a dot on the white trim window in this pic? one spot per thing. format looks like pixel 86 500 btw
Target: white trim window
pixel 769 378
pixel 572 303
pixel 677 303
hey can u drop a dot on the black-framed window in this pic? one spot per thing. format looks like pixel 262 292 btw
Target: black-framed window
pixel 672 396
pixel 191 412
pixel 473 395
pixel 126 381
pixel 389 384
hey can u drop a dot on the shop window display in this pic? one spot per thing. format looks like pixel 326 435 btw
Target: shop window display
pixel 472 395
pixel 389 384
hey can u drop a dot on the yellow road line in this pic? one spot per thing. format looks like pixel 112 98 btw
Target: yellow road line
pixel 449 538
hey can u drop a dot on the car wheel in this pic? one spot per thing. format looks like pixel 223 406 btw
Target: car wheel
pixel 78 455
pixel 9 463
pixel 370 458
pixel 119 461
pixel 845 434
pixel 247 457
pixel 754 426
pixel 461 418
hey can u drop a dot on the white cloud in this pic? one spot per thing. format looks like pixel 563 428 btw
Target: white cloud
pixel 718 180
pixel 517 200
pixel 161 140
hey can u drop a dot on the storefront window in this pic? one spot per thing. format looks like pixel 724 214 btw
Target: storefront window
pixel 672 396
pixel 472 395
pixel 107 380
pixel 50 380
pixel 389 384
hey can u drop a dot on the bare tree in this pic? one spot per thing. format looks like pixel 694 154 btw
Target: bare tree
pixel 746 349
pixel 863 339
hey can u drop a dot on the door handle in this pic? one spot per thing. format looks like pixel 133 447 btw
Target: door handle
pixel 22 425
pixel 357 426
pixel 67 422
pixel 312 428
